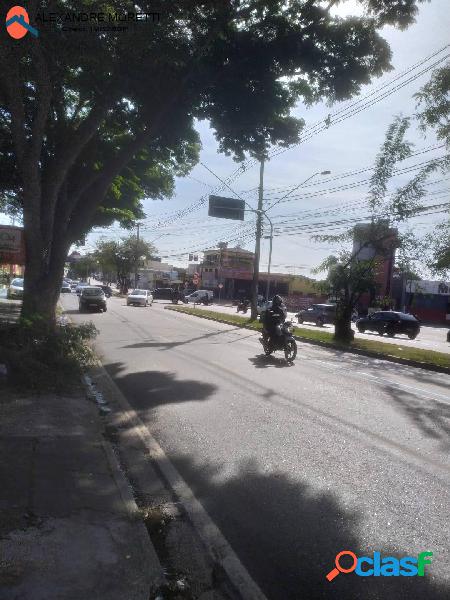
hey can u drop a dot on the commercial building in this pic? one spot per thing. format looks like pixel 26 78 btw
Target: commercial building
pixel 12 252
pixel 428 300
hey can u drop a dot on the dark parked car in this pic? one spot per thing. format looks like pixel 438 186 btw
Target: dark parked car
pixel 92 297
pixel 107 290
pixel 391 323
pixel 318 314
pixel 162 294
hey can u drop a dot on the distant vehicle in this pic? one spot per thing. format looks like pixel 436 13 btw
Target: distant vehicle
pixel 91 297
pixel 263 306
pixel 162 293
pixel 80 286
pixel 65 288
pixel 390 322
pixel 107 290
pixel 200 296
pixel 74 284
pixel 15 290
pixel 139 298
pixel 448 335
pixel 318 314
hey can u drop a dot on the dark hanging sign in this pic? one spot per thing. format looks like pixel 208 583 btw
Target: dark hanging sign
pixel 226 208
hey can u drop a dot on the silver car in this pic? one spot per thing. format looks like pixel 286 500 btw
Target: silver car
pixel 139 298
pixel 15 290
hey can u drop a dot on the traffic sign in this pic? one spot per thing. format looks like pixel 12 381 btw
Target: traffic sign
pixel 220 286
pixel 226 208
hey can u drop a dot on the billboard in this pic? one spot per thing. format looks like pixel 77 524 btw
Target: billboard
pixel 12 245
pixel 428 287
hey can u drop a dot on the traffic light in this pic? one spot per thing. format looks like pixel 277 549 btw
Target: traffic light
pixel 138 277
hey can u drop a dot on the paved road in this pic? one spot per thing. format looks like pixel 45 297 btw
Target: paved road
pixel 294 464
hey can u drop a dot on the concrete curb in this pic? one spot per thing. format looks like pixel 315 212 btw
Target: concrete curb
pixel 214 542
pixel 131 508
pixel 371 354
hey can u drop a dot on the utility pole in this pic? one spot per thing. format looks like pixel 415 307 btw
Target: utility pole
pixel 136 256
pixel 259 217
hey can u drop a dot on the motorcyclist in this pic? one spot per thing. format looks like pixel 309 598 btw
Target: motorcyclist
pixel 274 316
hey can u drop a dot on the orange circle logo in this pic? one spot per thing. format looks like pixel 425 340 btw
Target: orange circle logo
pixel 16 21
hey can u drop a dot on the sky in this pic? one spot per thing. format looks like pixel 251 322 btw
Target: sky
pixel 344 147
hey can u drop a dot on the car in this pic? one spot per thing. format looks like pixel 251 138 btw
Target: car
pixel 91 297
pixel 448 335
pixel 80 286
pixel 65 288
pixel 106 289
pixel 74 284
pixel 200 296
pixel 15 289
pixel 262 306
pixel 162 293
pixel 319 314
pixel 390 322
pixel 139 298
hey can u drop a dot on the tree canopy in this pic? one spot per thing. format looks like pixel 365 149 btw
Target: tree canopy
pixel 93 120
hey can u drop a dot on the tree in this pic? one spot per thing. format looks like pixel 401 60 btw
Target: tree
pixel 353 273
pixel 123 257
pixel 90 120
pixel 433 99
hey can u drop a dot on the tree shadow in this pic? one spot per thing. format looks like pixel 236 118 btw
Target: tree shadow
pixel 287 535
pixel 9 311
pixel 176 344
pixel 148 389
pixel 431 417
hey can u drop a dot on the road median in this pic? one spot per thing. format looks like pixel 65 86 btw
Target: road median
pixel 415 357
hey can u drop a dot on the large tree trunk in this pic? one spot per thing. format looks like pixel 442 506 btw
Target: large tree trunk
pixel 44 270
pixel 343 331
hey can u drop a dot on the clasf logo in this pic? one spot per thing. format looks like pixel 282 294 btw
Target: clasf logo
pixel 376 566
pixel 18 23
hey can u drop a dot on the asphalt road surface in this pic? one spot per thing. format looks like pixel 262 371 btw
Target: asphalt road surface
pixel 293 463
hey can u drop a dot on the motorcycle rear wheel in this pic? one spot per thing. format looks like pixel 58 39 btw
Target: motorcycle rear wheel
pixel 290 350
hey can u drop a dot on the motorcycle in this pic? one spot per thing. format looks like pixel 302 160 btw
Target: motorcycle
pixel 243 305
pixel 284 341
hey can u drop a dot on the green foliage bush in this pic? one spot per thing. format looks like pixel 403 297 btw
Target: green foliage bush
pixel 39 357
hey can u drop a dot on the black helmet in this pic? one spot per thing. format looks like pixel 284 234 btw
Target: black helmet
pixel 277 300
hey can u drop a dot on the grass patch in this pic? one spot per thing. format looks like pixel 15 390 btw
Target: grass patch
pixel 426 358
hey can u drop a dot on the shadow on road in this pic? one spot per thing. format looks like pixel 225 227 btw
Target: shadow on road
pixel 175 344
pixel 431 417
pixel 287 535
pixel 148 389
pixel 9 311
pixel 264 362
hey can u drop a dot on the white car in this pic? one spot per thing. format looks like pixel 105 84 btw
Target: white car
pixel 140 298
pixel 15 290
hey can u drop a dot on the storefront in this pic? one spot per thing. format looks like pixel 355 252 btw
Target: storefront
pixel 429 300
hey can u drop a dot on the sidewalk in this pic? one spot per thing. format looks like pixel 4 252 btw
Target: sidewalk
pixel 69 527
